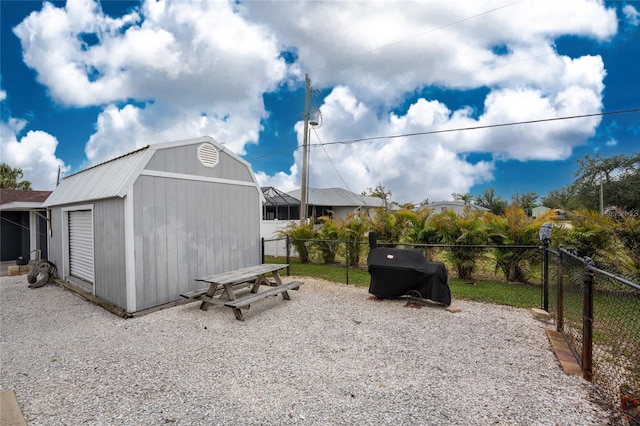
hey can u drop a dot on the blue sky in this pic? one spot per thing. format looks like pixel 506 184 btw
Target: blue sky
pixel 82 82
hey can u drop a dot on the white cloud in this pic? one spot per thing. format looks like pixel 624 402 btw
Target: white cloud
pixel 34 152
pixel 174 70
pixel 198 68
pixel 421 165
pixel 120 130
pixel 631 14
pixel 443 46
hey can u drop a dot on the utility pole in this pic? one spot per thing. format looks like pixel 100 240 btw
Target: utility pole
pixel 601 199
pixel 305 149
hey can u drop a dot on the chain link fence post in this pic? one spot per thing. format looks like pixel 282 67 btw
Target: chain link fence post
pixel 587 325
pixel 560 296
pixel 545 285
pixel 288 245
pixel 346 245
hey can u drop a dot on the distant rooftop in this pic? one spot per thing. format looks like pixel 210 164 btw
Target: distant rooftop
pixel 18 199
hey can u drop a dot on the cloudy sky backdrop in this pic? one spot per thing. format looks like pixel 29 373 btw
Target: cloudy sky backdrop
pixel 84 81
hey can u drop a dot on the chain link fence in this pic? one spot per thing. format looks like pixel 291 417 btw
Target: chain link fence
pixel 599 315
pixel 346 261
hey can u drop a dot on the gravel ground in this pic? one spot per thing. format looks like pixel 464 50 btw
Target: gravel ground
pixel 330 356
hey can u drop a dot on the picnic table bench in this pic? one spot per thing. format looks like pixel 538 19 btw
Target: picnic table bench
pixel 223 287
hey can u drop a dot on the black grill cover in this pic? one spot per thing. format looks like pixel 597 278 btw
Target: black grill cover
pixel 398 272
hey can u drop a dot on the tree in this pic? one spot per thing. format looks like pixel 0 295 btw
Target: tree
pixel 563 198
pixel 465 198
pixel 618 176
pixel 381 192
pixel 490 200
pixel 10 176
pixel 525 201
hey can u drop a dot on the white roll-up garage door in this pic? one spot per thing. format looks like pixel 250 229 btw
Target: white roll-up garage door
pixel 81 244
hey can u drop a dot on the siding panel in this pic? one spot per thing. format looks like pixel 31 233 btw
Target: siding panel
pixel 109 259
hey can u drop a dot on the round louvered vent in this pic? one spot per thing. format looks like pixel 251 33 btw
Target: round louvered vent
pixel 208 155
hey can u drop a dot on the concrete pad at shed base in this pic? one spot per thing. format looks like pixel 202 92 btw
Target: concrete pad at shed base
pixel 10 414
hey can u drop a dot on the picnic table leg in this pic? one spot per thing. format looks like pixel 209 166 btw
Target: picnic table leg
pixel 228 290
pixel 238 313
pixel 257 283
pixel 276 276
pixel 212 290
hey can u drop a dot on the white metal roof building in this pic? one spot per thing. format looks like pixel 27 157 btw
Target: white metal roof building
pixel 337 201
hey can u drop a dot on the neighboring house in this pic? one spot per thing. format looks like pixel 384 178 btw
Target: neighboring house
pixel 137 231
pixel 279 205
pixel 23 224
pixel 281 209
pixel 539 211
pixel 456 206
pixel 337 202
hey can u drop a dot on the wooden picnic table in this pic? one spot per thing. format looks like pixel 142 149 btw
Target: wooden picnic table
pixel 222 287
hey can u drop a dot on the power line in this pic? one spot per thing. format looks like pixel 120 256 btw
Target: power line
pixel 433 30
pixel 488 126
pixel 332 164
pixel 459 129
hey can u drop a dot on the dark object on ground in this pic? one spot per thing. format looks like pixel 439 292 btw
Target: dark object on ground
pixel 399 272
pixel 41 273
pixel 21 261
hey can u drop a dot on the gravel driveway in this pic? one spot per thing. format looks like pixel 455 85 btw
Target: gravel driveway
pixel 329 356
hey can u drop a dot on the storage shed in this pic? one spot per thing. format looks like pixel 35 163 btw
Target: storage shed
pixel 137 230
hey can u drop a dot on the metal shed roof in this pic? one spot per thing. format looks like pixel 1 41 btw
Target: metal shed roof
pixel 113 178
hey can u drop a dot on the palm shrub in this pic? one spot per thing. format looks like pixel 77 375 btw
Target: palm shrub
pixel 421 230
pixel 461 232
pixel 626 227
pixel 327 235
pixel 298 234
pixel 514 228
pixel 388 225
pixel 353 231
pixel 589 234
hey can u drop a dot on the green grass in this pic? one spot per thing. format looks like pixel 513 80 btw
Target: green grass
pixel 518 295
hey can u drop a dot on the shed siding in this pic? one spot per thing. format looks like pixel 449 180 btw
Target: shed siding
pixel 184 160
pixel 109 261
pixel 55 240
pixel 186 229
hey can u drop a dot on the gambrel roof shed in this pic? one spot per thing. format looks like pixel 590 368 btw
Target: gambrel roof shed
pixel 137 230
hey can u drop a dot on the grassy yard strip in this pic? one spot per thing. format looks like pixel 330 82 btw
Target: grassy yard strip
pixel 511 294
pixel 517 295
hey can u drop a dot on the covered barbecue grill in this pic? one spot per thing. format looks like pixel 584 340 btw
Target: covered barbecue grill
pixel 399 272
